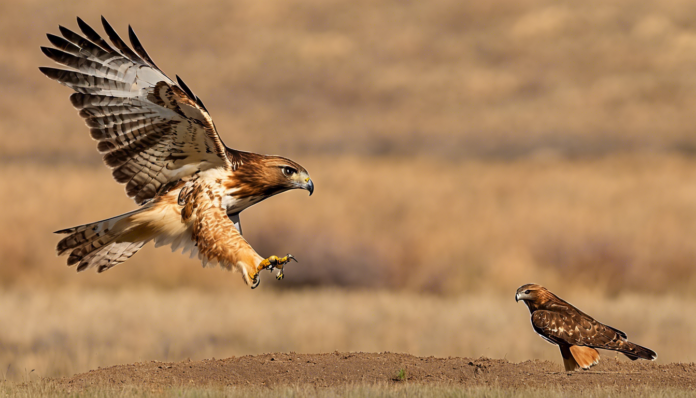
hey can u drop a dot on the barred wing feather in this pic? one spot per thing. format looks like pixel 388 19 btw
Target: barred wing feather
pixel 151 130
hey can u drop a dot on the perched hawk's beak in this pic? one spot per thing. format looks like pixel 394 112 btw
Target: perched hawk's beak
pixel 517 297
pixel 309 186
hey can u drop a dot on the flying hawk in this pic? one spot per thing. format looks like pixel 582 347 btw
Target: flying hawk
pixel 576 333
pixel 159 139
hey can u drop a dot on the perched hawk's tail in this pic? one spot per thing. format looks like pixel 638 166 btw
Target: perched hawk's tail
pixel 105 243
pixel 576 357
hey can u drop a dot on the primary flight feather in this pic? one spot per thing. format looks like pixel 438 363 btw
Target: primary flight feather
pixel 160 141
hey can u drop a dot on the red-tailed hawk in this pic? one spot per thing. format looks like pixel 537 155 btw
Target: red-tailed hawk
pixel 576 333
pixel 159 140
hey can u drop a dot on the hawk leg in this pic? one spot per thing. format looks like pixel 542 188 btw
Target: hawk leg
pixel 270 264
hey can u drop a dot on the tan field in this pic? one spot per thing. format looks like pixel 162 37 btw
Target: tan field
pixel 459 150
pixel 616 224
pixel 63 332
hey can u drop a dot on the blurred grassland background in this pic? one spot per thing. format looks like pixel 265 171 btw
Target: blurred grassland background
pixel 459 150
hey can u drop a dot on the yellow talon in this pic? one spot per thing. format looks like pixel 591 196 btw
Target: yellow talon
pixel 255 280
pixel 272 263
pixel 267 263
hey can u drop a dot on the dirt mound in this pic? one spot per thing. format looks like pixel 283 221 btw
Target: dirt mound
pixel 325 370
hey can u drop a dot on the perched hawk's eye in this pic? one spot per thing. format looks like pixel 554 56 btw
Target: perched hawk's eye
pixel 288 171
pixel 526 292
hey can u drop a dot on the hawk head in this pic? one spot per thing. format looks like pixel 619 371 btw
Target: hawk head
pixel 262 176
pixel 529 292
pixel 535 296
pixel 282 174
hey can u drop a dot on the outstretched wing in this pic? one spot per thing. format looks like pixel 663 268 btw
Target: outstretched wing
pixel 575 329
pixel 151 130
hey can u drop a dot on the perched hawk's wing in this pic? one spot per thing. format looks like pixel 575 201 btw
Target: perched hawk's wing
pixel 151 130
pixel 575 329
pixel 579 329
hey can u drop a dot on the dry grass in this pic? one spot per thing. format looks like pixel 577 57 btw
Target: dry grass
pixel 454 145
pixel 386 104
pixel 453 78
pixel 357 391
pixel 69 331
pixel 457 148
pixel 623 223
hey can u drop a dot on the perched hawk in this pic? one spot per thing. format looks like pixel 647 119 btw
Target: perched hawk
pixel 159 140
pixel 576 333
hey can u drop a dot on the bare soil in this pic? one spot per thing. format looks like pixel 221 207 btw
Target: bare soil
pixel 336 369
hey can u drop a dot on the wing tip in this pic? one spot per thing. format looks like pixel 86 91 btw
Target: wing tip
pixel 107 26
pixel 48 71
pixel 120 44
pixel 63 30
pixel 110 31
pixel 48 51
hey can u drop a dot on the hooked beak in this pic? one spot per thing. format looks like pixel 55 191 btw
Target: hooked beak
pixel 309 186
pixel 517 297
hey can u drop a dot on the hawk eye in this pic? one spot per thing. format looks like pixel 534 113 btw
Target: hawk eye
pixel 526 292
pixel 288 171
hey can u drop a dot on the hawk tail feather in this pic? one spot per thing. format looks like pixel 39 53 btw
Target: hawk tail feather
pixel 586 357
pixel 104 244
pixel 576 357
